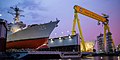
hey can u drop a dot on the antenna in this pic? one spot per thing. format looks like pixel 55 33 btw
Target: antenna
pixel 16 13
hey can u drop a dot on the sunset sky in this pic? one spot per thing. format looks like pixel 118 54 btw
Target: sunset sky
pixel 42 11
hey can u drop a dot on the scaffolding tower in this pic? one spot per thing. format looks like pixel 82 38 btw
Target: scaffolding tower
pixel 100 43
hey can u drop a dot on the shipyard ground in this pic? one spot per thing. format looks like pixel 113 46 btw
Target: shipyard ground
pixel 52 55
pixel 40 55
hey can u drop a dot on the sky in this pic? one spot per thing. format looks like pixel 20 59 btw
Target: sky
pixel 42 11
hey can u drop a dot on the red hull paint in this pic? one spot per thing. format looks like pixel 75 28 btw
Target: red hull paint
pixel 32 44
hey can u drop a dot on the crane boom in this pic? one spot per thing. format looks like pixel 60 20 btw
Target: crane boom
pixel 95 16
pixel 88 13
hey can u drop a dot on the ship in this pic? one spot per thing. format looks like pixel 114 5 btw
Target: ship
pixel 20 36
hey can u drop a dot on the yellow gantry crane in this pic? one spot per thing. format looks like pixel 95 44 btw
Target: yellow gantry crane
pixel 83 11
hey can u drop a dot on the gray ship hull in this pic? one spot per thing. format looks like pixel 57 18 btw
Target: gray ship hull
pixel 33 32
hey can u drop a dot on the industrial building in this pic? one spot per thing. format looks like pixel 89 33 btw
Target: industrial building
pixel 109 47
pixel 100 44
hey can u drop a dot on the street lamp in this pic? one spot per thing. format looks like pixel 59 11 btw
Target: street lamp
pixel 60 39
pixel 51 40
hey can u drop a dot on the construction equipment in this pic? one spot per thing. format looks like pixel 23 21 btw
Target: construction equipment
pixel 93 15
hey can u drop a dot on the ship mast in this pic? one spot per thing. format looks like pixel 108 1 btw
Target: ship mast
pixel 17 25
pixel 16 14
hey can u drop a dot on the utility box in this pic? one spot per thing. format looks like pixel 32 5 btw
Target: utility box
pixel 3 35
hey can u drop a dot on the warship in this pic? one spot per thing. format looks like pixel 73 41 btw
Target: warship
pixel 32 36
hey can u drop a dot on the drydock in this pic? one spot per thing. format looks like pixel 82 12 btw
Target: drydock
pixel 55 48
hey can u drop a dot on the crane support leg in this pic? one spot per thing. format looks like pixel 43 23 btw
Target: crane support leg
pixel 80 30
pixel 105 36
pixel 111 36
pixel 106 27
pixel 73 28
pixel 81 35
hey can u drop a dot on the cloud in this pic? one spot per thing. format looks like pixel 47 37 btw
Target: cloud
pixel 32 8
pixel 31 5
